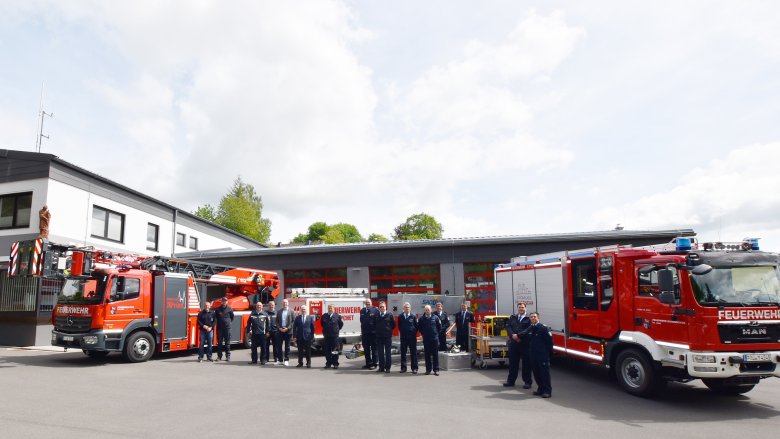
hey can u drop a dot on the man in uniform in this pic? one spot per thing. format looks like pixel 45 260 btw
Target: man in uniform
pixel 206 322
pixel 303 330
pixel 445 325
pixel 384 323
pixel 430 328
pixel 367 334
pixel 273 335
pixel 518 347
pixel 284 322
pixel 331 324
pixel 462 321
pixel 224 315
pixel 407 329
pixel 540 347
pixel 258 324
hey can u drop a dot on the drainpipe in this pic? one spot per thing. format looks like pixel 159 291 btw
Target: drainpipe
pixel 173 238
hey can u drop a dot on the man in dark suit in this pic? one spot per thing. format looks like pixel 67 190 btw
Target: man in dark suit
pixel 430 328
pixel 284 321
pixel 540 348
pixel 445 325
pixel 368 334
pixel 462 321
pixel 331 324
pixel 518 347
pixel 303 333
pixel 407 329
pixel 384 323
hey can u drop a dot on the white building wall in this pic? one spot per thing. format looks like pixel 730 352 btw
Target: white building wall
pixel 38 187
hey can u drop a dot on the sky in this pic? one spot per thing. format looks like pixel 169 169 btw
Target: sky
pixel 496 117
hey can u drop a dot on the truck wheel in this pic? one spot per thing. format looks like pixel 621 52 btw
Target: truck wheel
pixel 718 386
pixel 636 375
pixel 139 347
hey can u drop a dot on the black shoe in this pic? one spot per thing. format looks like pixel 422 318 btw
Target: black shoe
pixel 427 372
pixel 414 372
pixel 308 366
pixel 402 370
pixel 526 386
pixel 508 385
pixel 299 365
pixel 327 366
pixel 387 370
pixel 335 367
pixel 545 395
pixel 537 393
pixel 365 367
pixel 380 370
pixel 252 362
pixel 436 372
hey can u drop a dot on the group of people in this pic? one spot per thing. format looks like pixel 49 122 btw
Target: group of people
pixel 529 342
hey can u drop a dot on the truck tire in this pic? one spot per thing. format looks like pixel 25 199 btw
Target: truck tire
pixel 720 387
pixel 139 347
pixel 636 375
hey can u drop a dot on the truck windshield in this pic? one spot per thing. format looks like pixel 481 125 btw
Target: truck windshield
pixel 738 286
pixel 83 291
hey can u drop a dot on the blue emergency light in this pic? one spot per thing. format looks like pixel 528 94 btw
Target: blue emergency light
pixel 683 244
pixel 753 243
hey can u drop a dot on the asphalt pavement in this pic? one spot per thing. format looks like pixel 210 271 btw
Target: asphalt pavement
pixel 49 393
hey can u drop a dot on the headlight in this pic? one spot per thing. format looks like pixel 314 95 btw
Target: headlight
pixel 90 339
pixel 704 359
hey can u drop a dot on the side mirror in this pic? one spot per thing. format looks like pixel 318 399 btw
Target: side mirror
pixel 667 297
pixel 666 280
pixel 701 269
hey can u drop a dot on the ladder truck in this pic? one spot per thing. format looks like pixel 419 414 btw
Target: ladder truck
pixel 653 315
pixel 136 305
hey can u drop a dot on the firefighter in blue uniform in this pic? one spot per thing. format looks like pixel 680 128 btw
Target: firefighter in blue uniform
pixel 384 323
pixel 368 334
pixel 540 347
pixel 445 325
pixel 407 329
pixel 430 327
pixel 518 347
pixel 331 325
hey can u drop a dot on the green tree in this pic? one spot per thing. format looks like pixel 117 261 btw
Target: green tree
pixel 329 234
pixel 418 226
pixel 376 237
pixel 240 210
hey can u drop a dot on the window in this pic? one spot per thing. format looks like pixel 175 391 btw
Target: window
pixel 152 236
pixel 422 279
pixel 314 278
pixel 193 243
pixel 125 288
pixel 649 286
pixel 15 210
pixel 180 239
pixel 108 224
pixel 583 280
pixel 480 287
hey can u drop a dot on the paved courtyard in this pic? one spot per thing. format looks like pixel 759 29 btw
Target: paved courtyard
pixel 55 394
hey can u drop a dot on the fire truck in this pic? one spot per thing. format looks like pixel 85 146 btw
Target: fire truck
pixel 347 302
pixel 653 316
pixel 136 305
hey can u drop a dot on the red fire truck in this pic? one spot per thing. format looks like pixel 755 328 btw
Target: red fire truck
pixel 652 316
pixel 136 305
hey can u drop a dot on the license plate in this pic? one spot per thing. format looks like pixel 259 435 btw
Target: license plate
pixel 756 358
pixel 70 338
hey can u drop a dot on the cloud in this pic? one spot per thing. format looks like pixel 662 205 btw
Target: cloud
pixel 724 199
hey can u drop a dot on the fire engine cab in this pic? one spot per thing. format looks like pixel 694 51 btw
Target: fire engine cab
pixel 652 316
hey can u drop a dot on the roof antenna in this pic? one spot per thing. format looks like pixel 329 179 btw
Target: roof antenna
pixel 41 113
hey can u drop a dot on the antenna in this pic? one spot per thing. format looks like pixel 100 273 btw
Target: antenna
pixel 41 113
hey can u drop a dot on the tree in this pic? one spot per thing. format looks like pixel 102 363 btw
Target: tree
pixel 418 226
pixel 330 234
pixel 240 210
pixel 376 237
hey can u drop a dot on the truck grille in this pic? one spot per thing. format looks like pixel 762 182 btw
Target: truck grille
pixel 72 324
pixel 749 333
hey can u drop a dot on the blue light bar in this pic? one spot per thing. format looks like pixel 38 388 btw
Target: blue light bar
pixel 753 243
pixel 683 244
